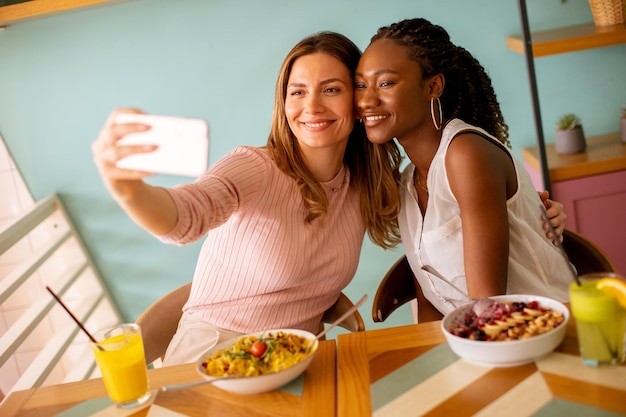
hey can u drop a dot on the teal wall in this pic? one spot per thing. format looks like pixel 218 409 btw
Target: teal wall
pixel 60 76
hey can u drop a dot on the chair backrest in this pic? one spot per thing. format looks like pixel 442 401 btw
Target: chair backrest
pixel 585 255
pixel 399 286
pixel 160 320
pixel 354 322
pixel 396 289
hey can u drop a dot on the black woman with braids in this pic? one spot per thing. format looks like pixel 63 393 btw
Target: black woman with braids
pixel 470 215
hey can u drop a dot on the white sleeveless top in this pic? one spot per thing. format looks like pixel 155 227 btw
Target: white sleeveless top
pixel 535 265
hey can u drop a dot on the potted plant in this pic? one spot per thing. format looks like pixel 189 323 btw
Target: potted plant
pixel 623 121
pixel 570 137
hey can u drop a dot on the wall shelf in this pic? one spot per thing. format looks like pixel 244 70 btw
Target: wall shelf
pixel 22 12
pixel 604 154
pixel 570 39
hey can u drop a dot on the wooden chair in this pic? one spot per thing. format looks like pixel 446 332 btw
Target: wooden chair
pixel 160 320
pixel 585 255
pixel 397 288
pixel 354 322
pixel 399 285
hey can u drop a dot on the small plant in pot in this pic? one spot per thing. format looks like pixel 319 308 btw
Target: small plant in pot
pixel 570 137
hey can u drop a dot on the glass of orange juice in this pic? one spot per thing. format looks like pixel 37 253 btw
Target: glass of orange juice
pixel 600 321
pixel 120 356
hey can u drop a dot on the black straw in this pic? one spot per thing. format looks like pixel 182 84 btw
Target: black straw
pixel 56 297
pixel 555 237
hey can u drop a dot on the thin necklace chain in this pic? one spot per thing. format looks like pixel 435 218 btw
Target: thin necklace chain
pixel 343 183
pixel 417 173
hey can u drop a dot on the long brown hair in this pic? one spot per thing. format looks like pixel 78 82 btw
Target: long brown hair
pixel 374 169
pixel 468 93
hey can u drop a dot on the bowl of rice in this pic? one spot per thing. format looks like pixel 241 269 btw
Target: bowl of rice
pixel 259 362
pixel 506 330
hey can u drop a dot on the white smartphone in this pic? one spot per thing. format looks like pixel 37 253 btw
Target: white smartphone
pixel 183 145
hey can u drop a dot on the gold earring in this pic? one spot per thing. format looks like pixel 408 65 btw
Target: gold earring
pixel 439 125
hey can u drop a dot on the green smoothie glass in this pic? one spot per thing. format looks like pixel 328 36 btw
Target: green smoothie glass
pixel 600 321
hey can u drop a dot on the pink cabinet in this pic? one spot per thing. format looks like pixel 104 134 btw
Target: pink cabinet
pixel 592 187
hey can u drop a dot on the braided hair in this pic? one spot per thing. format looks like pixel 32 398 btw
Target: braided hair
pixel 468 93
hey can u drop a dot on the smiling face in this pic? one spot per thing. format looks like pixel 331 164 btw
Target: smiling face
pixel 390 94
pixel 319 102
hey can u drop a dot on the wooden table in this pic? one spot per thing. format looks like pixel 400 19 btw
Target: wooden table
pixel 311 395
pixel 411 371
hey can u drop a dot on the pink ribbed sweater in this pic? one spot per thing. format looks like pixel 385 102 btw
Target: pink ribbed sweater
pixel 260 266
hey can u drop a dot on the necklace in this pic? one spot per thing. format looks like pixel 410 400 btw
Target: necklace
pixel 417 180
pixel 343 183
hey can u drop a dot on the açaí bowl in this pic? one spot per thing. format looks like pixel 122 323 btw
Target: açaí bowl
pixel 506 353
pixel 260 383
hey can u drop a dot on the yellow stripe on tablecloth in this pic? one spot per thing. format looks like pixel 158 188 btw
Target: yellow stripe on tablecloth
pixel 572 367
pixel 434 390
pixel 523 400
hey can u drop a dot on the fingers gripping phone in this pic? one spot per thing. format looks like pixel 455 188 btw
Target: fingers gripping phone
pixel 183 145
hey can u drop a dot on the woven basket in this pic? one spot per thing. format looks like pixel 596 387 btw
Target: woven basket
pixel 608 12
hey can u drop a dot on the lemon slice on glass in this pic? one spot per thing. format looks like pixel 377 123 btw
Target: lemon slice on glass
pixel 614 287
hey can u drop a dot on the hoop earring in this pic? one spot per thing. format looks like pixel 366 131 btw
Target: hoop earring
pixel 439 125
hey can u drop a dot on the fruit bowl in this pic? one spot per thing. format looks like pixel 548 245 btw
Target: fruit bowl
pixel 504 353
pixel 247 383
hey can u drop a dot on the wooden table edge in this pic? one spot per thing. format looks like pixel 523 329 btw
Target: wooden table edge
pixel 64 396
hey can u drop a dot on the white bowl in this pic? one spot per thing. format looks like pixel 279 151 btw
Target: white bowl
pixel 506 353
pixel 260 383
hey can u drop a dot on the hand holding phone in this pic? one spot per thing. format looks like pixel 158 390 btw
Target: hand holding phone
pixel 183 144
